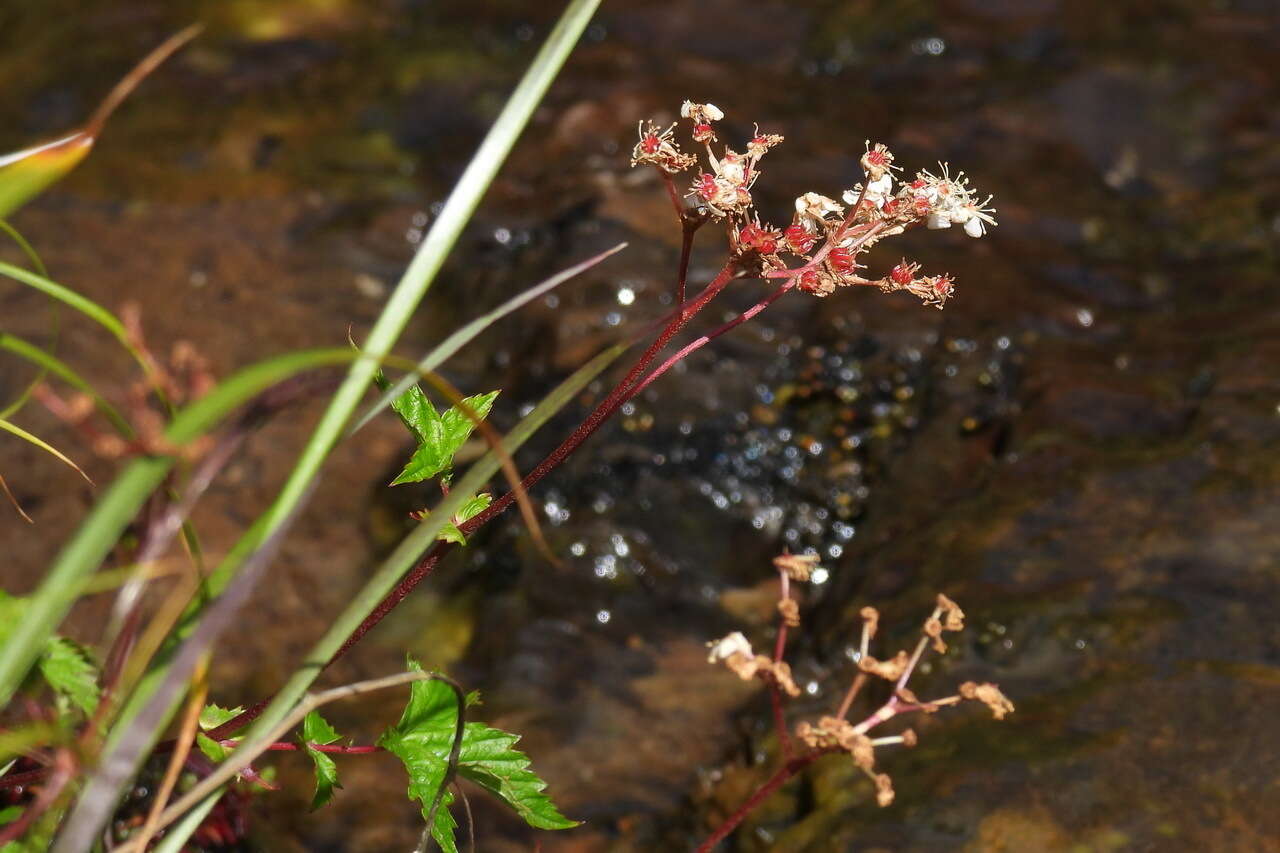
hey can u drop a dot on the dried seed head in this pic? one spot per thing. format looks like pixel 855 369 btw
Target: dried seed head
pixel 790 612
pixel 884 789
pixel 989 695
pixel 731 644
pixel 871 620
pixel 909 738
pixel 798 567
pixel 952 613
pixel 889 670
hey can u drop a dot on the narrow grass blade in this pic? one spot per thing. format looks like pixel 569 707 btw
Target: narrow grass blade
pixel 21 433
pixel 52 364
pixel 464 335
pixel 394 567
pixel 117 507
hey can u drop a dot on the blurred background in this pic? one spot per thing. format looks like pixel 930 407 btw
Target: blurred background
pixel 1082 449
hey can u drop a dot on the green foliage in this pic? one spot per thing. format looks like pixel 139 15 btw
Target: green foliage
pixel 64 665
pixel 439 436
pixel 423 740
pixel 211 717
pixel 315 729
pixel 72 675
pixel 451 532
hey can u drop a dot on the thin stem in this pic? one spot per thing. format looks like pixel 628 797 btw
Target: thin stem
pixel 286 746
pixel 247 752
pixel 776 781
pixel 703 340
pixel 593 421
pixel 852 693
pixel 780 719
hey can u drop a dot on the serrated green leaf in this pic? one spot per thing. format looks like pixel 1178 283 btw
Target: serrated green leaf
pixel 68 670
pixel 439 436
pixel 212 750
pixel 316 730
pixel 422 740
pixel 326 778
pixel 213 716
pixel 489 760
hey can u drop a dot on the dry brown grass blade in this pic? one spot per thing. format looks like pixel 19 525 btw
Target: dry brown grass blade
pixel 13 500
pixel 140 72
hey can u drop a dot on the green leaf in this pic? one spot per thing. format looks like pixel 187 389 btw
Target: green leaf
pixel 422 740
pixel 10 814
pixel 315 729
pixel 213 716
pixel 71 674
pixel 489 760
pixel 439 436
pixel 213 750
pixel 452 532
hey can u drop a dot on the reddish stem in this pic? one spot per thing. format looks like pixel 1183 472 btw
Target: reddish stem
pixel 427 564
pixel 776 781
pixel 703 340
pixel 284 746
pixel 779 719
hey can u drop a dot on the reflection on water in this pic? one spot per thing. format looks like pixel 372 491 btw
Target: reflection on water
pixel 1080 449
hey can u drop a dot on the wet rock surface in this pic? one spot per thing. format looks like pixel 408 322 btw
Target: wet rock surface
pixel 1081 449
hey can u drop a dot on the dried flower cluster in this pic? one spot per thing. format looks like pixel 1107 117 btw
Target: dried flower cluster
pixel 824 235
pixel 834 732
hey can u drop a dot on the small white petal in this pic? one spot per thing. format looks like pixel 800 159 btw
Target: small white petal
pixel 937 221
pixel 712 112
pixel 974 227
pixel 686 109
pixel 850 196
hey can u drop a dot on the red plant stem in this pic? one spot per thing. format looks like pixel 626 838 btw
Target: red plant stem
pixel 703 340
pixel 14 780
pixel 61 773
pixel 283 746
pixel 672 194
pixel 779 719
pixel 779 650
pixel 776 781
pixel 427 564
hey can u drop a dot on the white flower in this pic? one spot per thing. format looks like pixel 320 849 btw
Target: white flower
pixel 881 187
pixel 974 227
pixel 726 647
pixel 712 112
pixel 813 208
pixel 937 221
pixel 687 108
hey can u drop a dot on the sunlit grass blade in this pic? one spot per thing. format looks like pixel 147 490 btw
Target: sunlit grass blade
pixel 25 174
pixel 21 433
pixel 52 364
pixel 397 564
pixel 456 341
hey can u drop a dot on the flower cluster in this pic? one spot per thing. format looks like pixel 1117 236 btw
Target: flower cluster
pixel 835 732
pixel 826 237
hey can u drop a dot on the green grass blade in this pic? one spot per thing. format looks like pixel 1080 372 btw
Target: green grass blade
pixel 49 363
pixel 120 504
pixel 463 336
pixel 21 433
pixel 400 561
